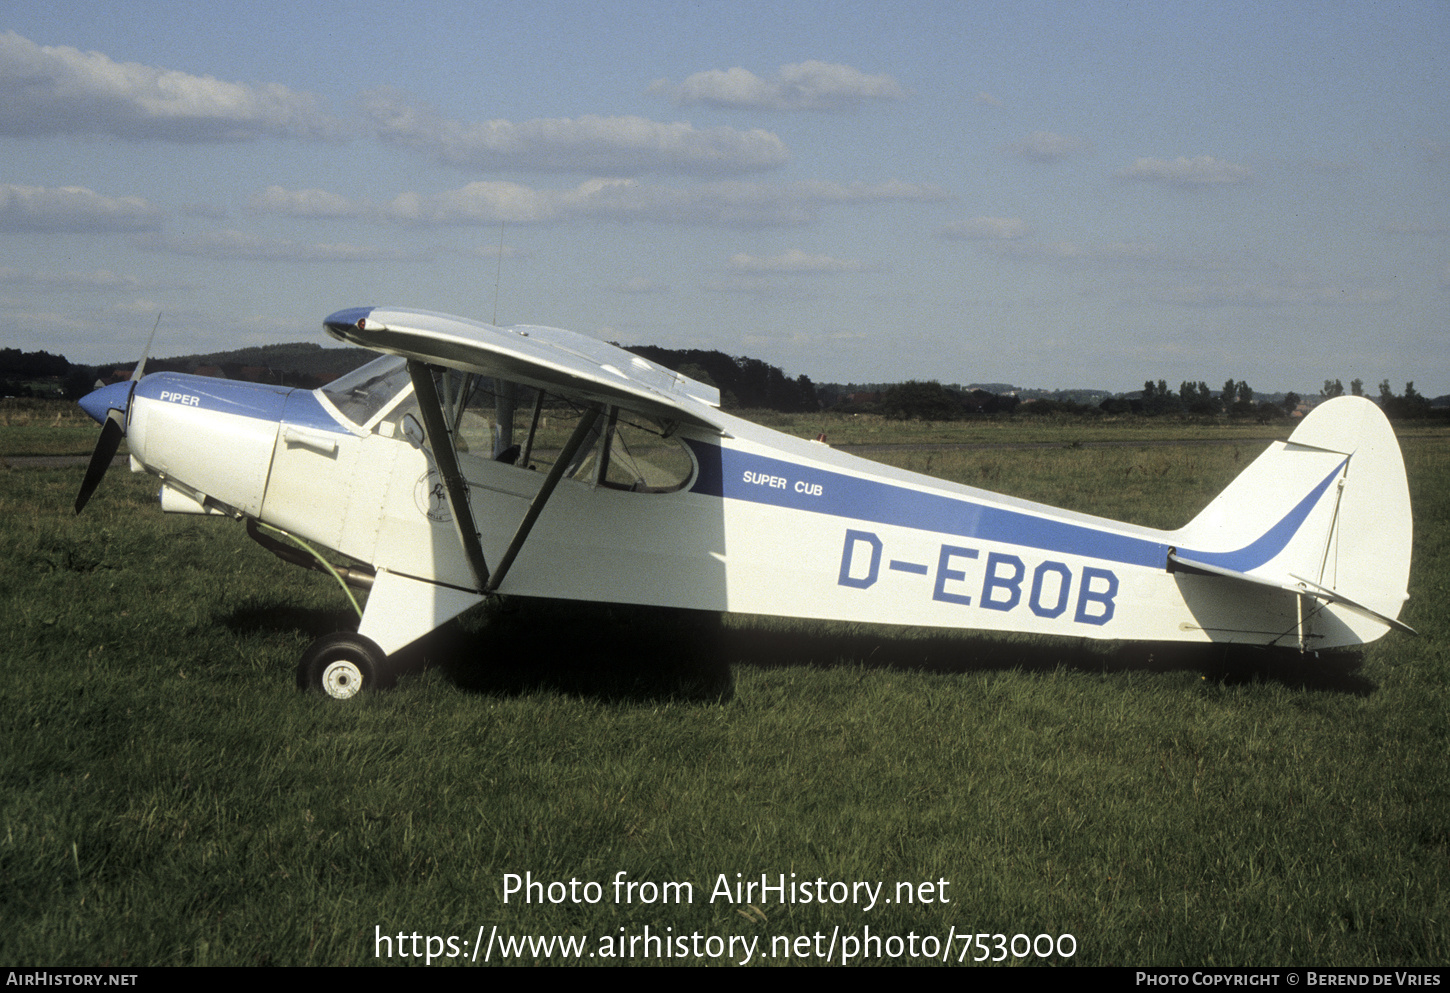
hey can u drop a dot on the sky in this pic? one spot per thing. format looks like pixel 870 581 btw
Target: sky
pixel 1050 195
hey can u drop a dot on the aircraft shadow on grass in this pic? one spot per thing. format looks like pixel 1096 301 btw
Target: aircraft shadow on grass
pixel 613 652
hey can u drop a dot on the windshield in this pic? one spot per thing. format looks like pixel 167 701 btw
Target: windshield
pixel 363 393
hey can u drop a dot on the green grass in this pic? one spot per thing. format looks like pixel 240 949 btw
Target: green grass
pixel 168 797
pixel 45 427
pixel 1053 430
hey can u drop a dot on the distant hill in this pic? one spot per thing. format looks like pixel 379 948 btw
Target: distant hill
pixel 742 381
pixel 292 363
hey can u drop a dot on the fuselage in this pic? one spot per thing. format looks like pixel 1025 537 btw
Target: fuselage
pixel 756 522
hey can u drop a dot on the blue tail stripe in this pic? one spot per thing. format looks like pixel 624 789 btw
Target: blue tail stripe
pixel 1272 541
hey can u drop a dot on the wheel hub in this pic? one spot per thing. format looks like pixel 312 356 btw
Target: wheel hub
pixel 341 680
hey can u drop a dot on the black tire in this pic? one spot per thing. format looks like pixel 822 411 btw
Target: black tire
pixel 343 665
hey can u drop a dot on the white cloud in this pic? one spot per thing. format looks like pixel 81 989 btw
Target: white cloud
pixel 71 208
pixel 730 203
pixel 761 287
pixel 809 85
pixel 794 262
pixel 590 144
pixel 1110 256
pixel 1203 170
pixel 1287 293
pixel 96 279
pixel 234 245
pixel 986 229
pixel 1045 146
pixel 986 99
pixel 306 203
pixel 61 90
pixel 1111 252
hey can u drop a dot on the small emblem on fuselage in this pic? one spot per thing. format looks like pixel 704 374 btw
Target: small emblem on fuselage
pixel 430 497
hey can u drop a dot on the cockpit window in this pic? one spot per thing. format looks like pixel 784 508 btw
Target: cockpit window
pixel 504 422
pixel 643 458
pixel 363 393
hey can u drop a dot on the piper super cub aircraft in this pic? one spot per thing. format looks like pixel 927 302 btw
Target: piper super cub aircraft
pixel 470 460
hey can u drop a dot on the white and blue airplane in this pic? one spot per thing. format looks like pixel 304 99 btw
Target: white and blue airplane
pixel 470 460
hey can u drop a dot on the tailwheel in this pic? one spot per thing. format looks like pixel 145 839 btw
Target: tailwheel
pixel 343 665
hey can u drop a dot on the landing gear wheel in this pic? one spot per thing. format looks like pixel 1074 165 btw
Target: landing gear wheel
pixel 343 665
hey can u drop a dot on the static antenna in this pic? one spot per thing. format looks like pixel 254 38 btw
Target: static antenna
pixel 498 273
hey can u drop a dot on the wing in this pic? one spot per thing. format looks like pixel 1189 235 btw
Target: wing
pixel 545 358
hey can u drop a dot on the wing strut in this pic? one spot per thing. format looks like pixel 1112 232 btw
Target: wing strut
pixel 582 432
pixel 440 440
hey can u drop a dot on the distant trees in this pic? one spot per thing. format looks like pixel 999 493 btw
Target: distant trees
pixel 15 364
pixel 743 382
pixel 1157 399
pixel 926 401
pixel 18 368
pixel 1409 405
pixel 931 401
pixel 1237 399
pixel 1197 398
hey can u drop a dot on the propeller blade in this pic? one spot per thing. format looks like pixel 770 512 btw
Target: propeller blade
pixel 140 369
pixel 106 447
pixel 111 405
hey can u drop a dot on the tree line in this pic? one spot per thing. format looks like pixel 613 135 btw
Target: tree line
pixel 1235 399
pixel 1407 405
pixel 19 371
pixel 918 400
pixel 749 383
pixel 743 382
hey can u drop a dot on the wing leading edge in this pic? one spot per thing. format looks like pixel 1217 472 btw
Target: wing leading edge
pixel 545 358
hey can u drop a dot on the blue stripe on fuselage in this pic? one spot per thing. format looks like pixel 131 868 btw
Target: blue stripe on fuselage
pixel 305 410
pixel 734 475
pixel 257 400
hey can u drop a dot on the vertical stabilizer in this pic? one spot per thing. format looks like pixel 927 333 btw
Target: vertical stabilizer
pixel 1326 512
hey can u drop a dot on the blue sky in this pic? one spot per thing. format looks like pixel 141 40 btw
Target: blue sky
pixel 1052 195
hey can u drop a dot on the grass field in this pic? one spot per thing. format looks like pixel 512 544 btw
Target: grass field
pixel 168 797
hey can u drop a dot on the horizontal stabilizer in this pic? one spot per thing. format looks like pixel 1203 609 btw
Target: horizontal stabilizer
pixel 1293 584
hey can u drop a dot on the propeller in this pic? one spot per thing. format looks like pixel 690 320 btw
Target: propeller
pixel 111 405
pixel 105 451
